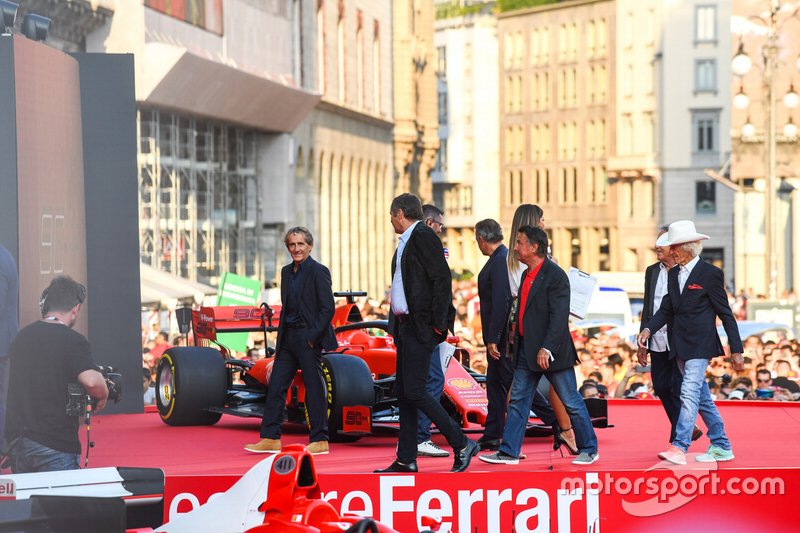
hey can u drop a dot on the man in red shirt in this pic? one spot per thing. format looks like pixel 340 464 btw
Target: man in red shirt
pixel 543 348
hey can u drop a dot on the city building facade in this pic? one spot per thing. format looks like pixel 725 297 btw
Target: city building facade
pixel 557 123
pixel 255 116
pixel 344 164
pixel 414 80
pixel 465 177
pixel 694 121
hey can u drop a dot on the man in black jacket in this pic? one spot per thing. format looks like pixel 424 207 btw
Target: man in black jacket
pixel 303 332
pixel 696 297
pixel 664 372
pixel 495 297
pixel 421 301
pixel 544 347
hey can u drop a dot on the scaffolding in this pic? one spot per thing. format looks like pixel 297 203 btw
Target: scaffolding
pixel 198 197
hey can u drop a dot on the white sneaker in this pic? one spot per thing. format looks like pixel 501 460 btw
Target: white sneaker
pixel 429 449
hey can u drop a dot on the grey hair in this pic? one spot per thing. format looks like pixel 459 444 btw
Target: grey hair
pixel 489 230
pixel 694 248
pixel 301 230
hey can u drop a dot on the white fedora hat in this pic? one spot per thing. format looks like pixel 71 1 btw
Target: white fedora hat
pixel 680 232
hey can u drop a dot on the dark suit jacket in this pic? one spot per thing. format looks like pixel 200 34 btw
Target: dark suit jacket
pixel 650 280
pixel 546 319
pixel 494 292
pixel 692 314
pixel 9 295
pixel 427 285
pixel 315 306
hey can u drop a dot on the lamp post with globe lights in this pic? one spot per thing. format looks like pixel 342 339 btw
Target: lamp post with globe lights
pixel 769 24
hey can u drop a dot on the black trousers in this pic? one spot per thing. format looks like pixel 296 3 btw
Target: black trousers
pixel 413 363
pixel 667 386
pixel 295 353
pixel 499 375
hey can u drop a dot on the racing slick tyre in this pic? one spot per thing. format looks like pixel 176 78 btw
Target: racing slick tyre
pixel 348 382
pixel 189 380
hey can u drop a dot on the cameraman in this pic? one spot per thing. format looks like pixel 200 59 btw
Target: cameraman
pixel 46 356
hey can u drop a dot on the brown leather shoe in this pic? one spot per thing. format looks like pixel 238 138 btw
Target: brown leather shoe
pixel 319 447
pixel 696 433
pixel 265 446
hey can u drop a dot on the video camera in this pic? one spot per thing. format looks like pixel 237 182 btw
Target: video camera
pixel 78 401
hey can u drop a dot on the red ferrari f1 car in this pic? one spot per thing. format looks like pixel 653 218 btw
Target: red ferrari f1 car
pixel 196 385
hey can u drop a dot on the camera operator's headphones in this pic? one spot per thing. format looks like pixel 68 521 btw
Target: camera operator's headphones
pixel 80 295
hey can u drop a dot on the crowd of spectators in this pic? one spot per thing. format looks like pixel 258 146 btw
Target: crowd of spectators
pixel 607 367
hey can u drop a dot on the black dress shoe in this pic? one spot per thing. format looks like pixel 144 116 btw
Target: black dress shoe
pixel 489 444
pixel 464 456
pixel 397 467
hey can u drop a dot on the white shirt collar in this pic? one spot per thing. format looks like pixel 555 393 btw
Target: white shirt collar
pixel 407 233
pixel 691 264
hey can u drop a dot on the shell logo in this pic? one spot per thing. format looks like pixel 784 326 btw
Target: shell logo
pixel 461 383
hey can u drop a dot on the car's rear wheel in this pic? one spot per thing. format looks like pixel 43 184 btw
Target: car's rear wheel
pixel 348 382
pixel 189 380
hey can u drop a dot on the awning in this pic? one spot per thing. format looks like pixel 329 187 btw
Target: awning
pixel 163 288
pixel 173 77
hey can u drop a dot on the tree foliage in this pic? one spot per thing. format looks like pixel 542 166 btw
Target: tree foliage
pixel 510 5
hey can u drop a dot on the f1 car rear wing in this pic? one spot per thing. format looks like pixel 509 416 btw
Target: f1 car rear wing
pixel 207 322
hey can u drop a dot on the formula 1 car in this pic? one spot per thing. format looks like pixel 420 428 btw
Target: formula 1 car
pixel 196 385
pixel 280 493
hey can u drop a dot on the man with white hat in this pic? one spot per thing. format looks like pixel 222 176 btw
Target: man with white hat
pixel 696 297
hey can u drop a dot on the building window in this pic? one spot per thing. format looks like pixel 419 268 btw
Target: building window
pixel 441 61
pixel 705 75
pixel 441 156
pixel 442 107
pixel 360 59
pixel 715 256
pixel 705 198
pixel 705 132
pixel 321 46
pixel 376 66
pixel 341 59
pixel 705 24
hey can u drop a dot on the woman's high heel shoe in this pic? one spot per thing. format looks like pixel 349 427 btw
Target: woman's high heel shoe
pixel 559 440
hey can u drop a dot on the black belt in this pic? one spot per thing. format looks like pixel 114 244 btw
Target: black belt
pixel 402 319
pixel 296 325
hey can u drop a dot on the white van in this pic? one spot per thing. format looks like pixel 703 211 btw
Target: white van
pixel 611 305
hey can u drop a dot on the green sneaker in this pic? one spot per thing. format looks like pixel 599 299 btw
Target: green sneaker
pixel 715 454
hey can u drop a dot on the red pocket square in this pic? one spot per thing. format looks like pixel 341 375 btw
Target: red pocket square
pixel 695 287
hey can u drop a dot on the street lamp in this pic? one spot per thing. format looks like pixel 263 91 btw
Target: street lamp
pixel 741 64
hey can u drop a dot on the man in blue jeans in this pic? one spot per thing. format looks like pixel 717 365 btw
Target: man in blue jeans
pixel 434 219
pixel 695 298
pixel 543 348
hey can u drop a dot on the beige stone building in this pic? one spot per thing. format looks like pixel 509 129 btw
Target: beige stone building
pixel 343 172
pixel 557 128
pixel 414 80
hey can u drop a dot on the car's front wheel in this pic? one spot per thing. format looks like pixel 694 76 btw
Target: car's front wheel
pixel 189 380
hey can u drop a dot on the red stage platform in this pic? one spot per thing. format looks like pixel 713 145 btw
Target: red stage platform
pixel 628 489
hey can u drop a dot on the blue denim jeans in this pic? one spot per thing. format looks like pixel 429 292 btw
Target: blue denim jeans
pixel 563 381
pixel 30 456
pixel 4 369
pixel 696 398
pixel 434 386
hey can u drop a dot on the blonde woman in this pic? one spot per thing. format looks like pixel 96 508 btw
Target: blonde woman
pixel 532 215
